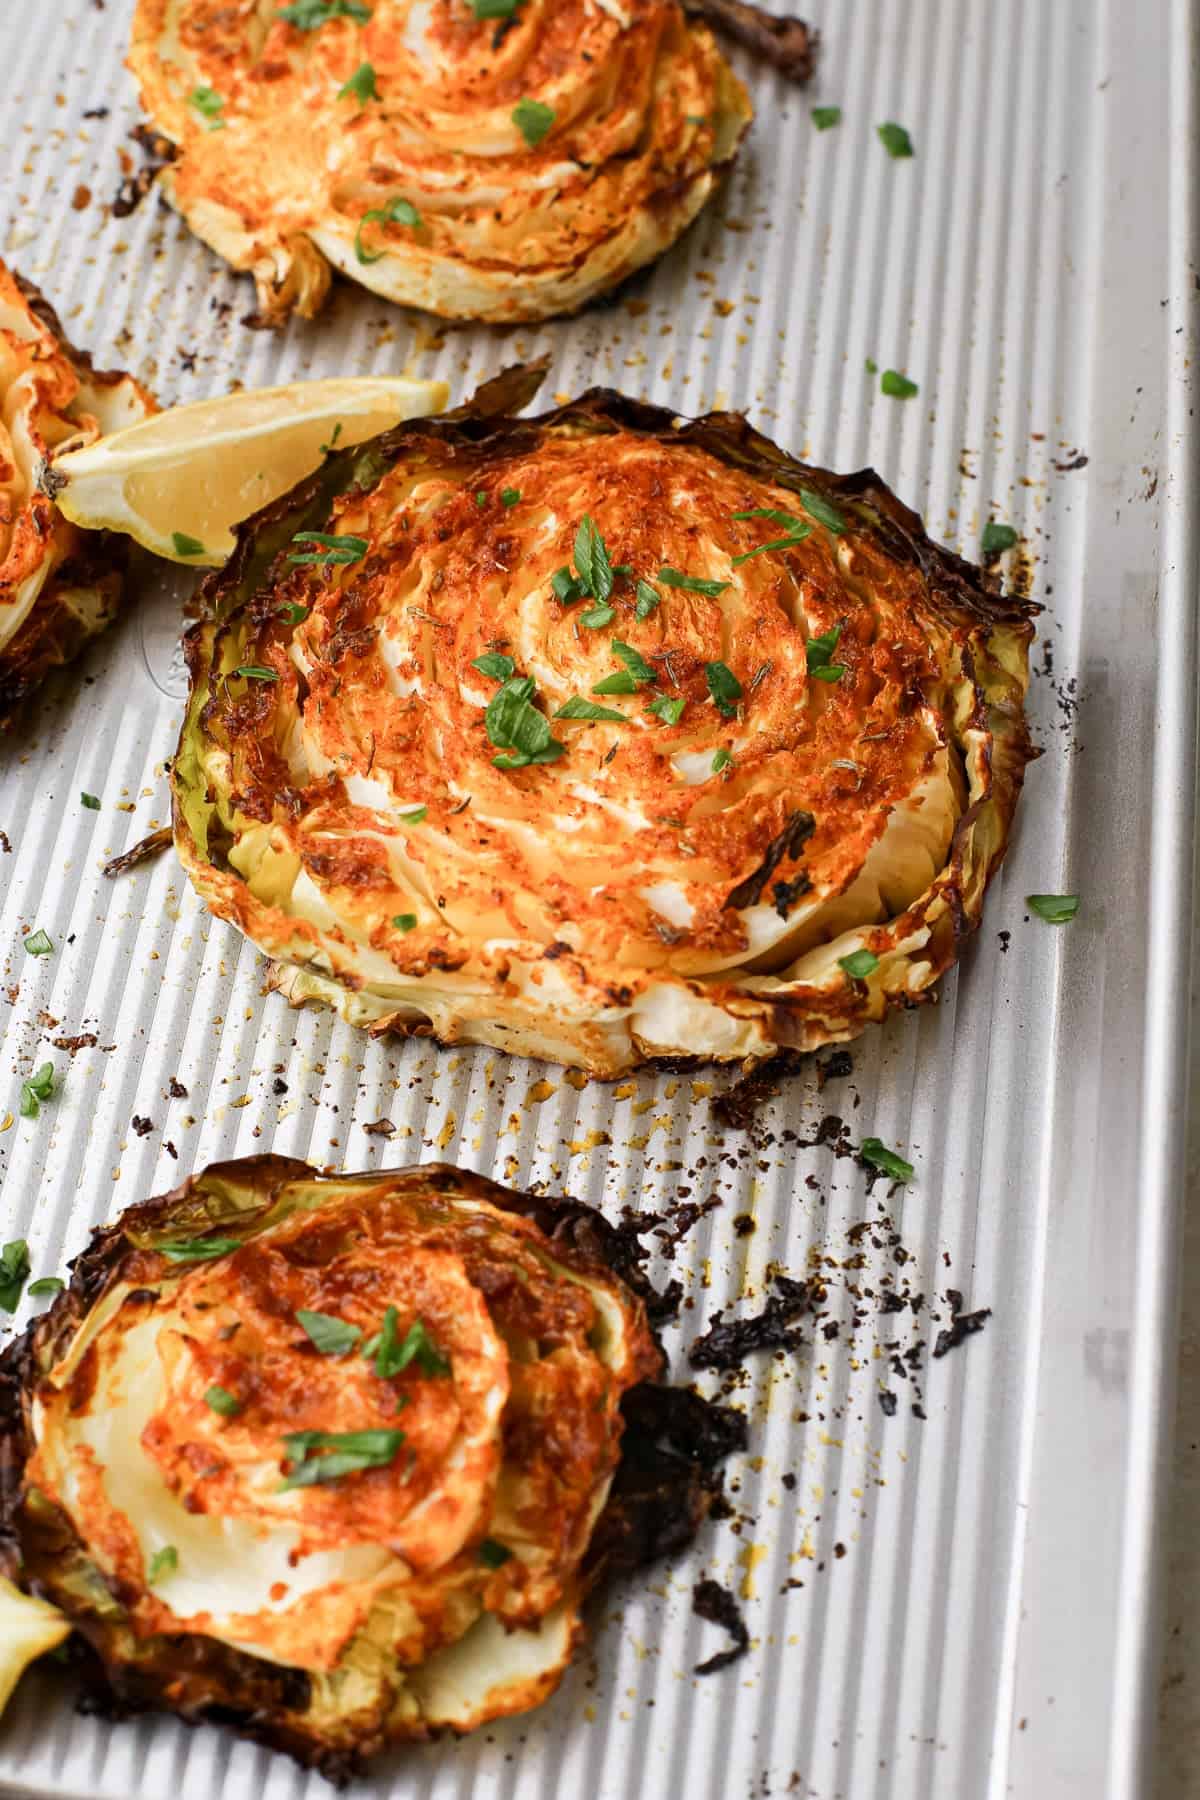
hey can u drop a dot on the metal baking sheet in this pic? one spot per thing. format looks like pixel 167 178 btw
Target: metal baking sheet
pixel 988 1626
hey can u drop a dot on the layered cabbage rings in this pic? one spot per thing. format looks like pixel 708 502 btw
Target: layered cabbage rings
pixel 59 586
pixel 336 1460
pixel 476 165
pixel 600 737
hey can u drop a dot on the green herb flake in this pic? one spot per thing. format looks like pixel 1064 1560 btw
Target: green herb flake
pixel 163 1562
pixel 567 587
pixel 722 759
pixel 509 496
pixel 826 117
pixel 694 584
pixel 308 15
pixel 494 9
pixel 634 661
pixel 872 367
pixel 1056 909
pixel 38 1087
pixel 592 563
pixel 414 815
pixel 783 543
pixel 819 655
pixel 393 1354
pixel 896 385
pixel 517 728
pixel 823 511
pixel 14 1273
pixel 335 434
pixel 481 498
pixel 859 964
pixel 577 708
pixel 494 1555
pixel 332 1336
pixel 293 612
pixel 90 801
pixel 830 673
pixel 350 1452
pixel 495 664
pixel 647 599
pixel 361 85
pixel 532 120
pixel 396 212
pixel 724 686
pixel 619 682
pixel 405 922
pixel 789 521
pixel 194 1250
pixel 996 538
pixel 208 103
pixel 45 1284
pixel 220 1400
pixel 184 545
pixel 332 548
pixel 877 1154
pixel 38 944
pixel 668 708
pixel 256 672
pixel 598 616
pixel 895 139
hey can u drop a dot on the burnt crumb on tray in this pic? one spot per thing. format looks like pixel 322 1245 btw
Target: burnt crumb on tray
pixel 145 851
pixel 786 43
pixel 158 152
pixel 728 1341
pixel 715 1603
pixel 738 1106
pixel 962 1325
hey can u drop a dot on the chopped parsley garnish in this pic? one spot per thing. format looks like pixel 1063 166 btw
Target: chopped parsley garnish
pixel 481 498
pixel 38 944
pixel 820 509
pixel 567 587
pixel 875 1152
pixel 859 964
pixel 494 1555
pixel 405 921
pixel 825 117
pixel 221 1401
pixel 872 367
pixel 14 1273
pixel 592 563
pixel 783 543
pixel 647 598
pixel 532 120
pixel 722 759
pixel 208 103
pixel 361 85
pixel 724 687
pixel 46 1284
pixel 189 1250
pixel 509 496
pixel 669 708
pixel 91 801
pixel 307 15
pixel 332 548
pixel 393 1354
pixel 694 584
pixel 184 545
pixel 895 139
pixel 598 616
pixel 256 672
pixel 819 655
pixel 997 538
pixel 414 815
pixel 494 9
pixel 1056 909
pixel 621 681
pixel 897 386
pixel 577 708
pixel 788 520
pixel 349 1453
pixel 634 661
pixel 163 1562
pixel 293 612
pixel 332 1336
pixel 396 212
pixel 495 664
pixel 519 731
pixel 39 1087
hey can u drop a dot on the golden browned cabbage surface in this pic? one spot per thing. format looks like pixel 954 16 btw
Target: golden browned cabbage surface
pixel 485 168
pixel 59 586
pixel 330 1457
pixel 448 790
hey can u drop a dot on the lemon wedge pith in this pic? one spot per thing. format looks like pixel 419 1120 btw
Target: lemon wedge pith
pixel 179 482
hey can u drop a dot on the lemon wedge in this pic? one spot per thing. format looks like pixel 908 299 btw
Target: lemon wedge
pixel 180 481
pixel 28 1628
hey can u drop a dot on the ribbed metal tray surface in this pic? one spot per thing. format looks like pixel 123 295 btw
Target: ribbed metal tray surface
pixel 942 1608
